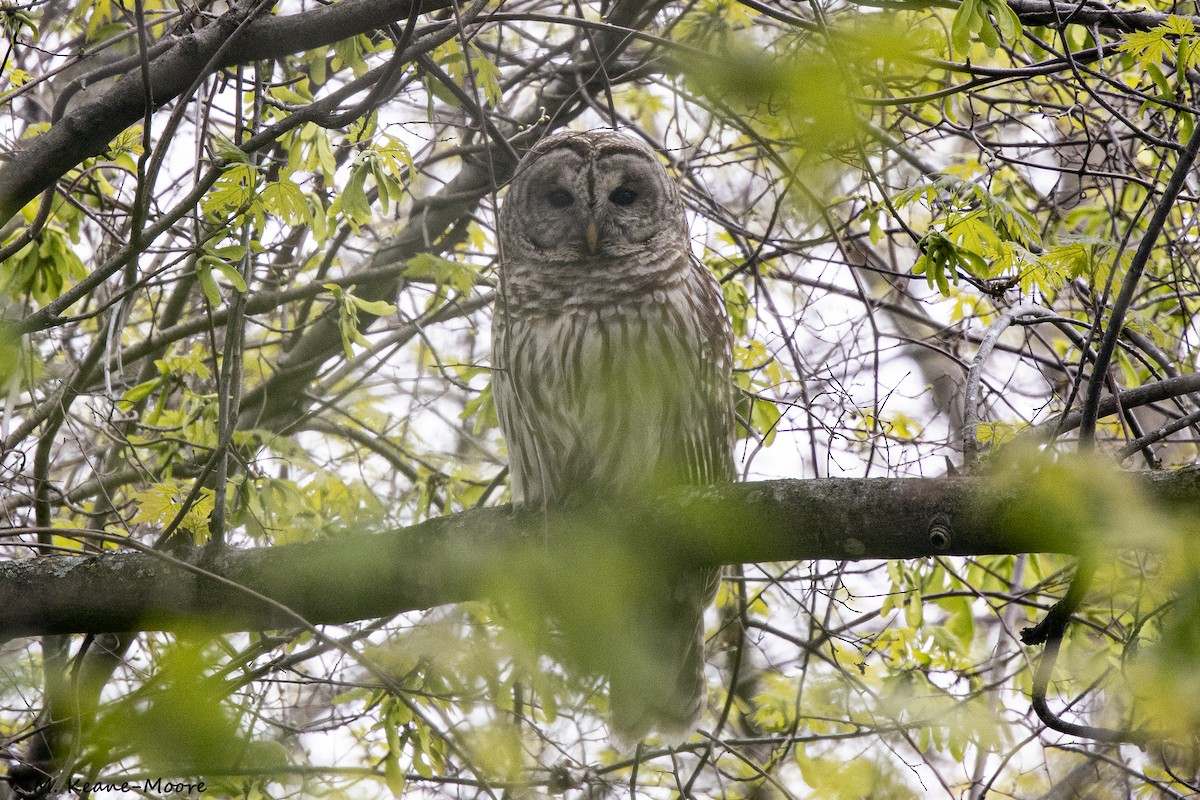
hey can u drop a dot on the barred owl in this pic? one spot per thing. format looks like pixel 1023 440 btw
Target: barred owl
pixel 612 357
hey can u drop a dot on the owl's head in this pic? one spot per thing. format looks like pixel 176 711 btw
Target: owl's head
pixel 588 198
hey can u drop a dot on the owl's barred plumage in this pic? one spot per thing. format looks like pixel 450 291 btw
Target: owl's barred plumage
pixel 612 356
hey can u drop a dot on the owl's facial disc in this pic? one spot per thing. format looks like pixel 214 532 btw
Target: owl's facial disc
pixel 590 206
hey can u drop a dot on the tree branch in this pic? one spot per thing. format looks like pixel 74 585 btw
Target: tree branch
pixel 1143 395
pixel 1044 12
pixel 450 559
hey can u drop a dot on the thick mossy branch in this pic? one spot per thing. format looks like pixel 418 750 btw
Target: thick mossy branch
pixel 468 555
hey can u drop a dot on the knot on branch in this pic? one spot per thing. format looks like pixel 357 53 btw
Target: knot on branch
pixel 939 532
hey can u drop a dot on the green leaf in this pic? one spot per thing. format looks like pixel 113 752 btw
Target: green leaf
pixel 230 252
pixel 286 200
pixel 965 21
pixel 226 149
pixel 914 610
pixel 987 33
pixel 943 284
pixel 232 275
pixel 15 19
pixel 487 78
pixel 140 392
pixel 1007 20
pixel 444 272
pixel 353 199
pixel 161 502
pixel 207 284
pixel 765 417
pixel 961 622
pixel 482 407
pixel 1179 25
pixel 235 189
pixel 393 775
pixel 316 66
pixel 379 308
pixel 348 306
pixel 10 358
pixel 972 262
pixel 1149 47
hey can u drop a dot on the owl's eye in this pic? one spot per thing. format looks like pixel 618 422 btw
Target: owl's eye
pixel 623 196
pixel 559 198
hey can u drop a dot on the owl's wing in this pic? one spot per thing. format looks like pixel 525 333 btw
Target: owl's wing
pixel 708 428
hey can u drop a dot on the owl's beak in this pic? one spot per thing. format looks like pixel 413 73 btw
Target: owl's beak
pixel 593 236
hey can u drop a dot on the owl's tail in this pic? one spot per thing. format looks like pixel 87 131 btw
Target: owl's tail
pixel 660 686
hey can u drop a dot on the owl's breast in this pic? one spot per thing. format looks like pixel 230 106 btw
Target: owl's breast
pixel 581 346
pixel 610 285
pixel 614 392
